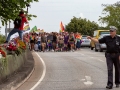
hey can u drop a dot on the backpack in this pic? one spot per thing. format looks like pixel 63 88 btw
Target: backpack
pixel 18 22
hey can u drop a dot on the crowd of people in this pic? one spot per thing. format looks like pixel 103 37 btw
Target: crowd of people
pixel 45 41
pixel 53 41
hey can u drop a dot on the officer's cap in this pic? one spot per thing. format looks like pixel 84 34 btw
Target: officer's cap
pixel 113 28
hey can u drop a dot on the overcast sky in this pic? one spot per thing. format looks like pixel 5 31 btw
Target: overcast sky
pixel 51 12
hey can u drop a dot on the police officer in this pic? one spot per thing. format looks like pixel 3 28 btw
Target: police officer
pixel 112 42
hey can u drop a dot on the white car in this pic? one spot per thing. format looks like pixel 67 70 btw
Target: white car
pixel 85 41
pixel 101 47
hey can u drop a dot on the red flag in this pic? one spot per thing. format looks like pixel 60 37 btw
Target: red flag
pixel 62 27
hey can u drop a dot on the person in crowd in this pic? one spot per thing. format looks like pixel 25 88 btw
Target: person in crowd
pixel 66 37
pixel 61 42
pixel 71 41
pixel 49 42
pixel 78 40
pixel 32 41
pixel 43 42
pixel 54 41
pixel 39 42
pixel 36 46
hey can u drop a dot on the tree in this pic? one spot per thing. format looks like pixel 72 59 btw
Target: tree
pixel 111 15
pixel 9 9
pixel 83 26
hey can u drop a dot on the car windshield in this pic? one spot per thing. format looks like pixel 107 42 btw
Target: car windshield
pixel 104 35
pixel 84 37
pixel 104 32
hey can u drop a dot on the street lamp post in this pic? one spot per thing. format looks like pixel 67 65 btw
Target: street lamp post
pixel 28 5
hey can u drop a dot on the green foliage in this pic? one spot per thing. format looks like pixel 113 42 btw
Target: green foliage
pixel 2 39
pixel 111 15
pixel 84 26
pixel 9 9
pixel 4 61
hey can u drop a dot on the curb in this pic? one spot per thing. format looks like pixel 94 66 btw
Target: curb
pixel 22 82
pixel 21 76
pixel 37 75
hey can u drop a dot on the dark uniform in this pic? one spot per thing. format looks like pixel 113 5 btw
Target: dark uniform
pixel 112 57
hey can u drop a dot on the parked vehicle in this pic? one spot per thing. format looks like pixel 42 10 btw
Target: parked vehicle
pixel 96 35
pixel 85 41
pixel 101 47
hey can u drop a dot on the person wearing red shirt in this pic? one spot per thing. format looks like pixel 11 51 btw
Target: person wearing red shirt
pixel 18 29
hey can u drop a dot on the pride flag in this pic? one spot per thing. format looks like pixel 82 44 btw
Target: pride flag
pixel 34 29
pixel 62 29
pixel 38 30
pixel 26 28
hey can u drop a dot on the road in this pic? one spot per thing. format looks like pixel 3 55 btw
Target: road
pixel 79 70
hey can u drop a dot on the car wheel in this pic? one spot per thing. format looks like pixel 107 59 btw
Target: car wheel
pixel 101 50
pixel 96 50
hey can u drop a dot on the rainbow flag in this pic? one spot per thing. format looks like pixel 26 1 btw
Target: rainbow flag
pixel 62 29
pixel 40 31
pixel 26 28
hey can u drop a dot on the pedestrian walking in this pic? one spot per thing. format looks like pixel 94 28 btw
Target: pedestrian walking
pixel 54 41
pixel 78 41
pixel 71 41
pixel 39 42
pixel 32 41
pixel 43 42
pixel 112 42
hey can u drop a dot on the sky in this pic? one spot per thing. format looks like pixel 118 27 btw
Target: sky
pixel 51 12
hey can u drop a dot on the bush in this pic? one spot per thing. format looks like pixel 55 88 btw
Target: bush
pixel 2 39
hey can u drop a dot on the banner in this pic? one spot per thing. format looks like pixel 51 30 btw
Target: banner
pixel 26 28
pixel 40 31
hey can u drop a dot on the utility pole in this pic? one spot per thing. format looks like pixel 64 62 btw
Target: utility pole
pixel 6 30
pixel 28 5
pixel 0 30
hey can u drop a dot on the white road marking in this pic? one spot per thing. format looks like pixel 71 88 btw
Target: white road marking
pixel 89 81
pixel 82 54
pixel 100 60
pixel 82 79
pixel 43 74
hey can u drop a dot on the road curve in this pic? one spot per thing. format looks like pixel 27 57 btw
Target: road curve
pixel 79 70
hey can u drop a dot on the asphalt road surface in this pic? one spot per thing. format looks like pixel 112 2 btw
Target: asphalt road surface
pixel 79 70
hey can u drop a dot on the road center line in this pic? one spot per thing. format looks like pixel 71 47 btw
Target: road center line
pixel 43 74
